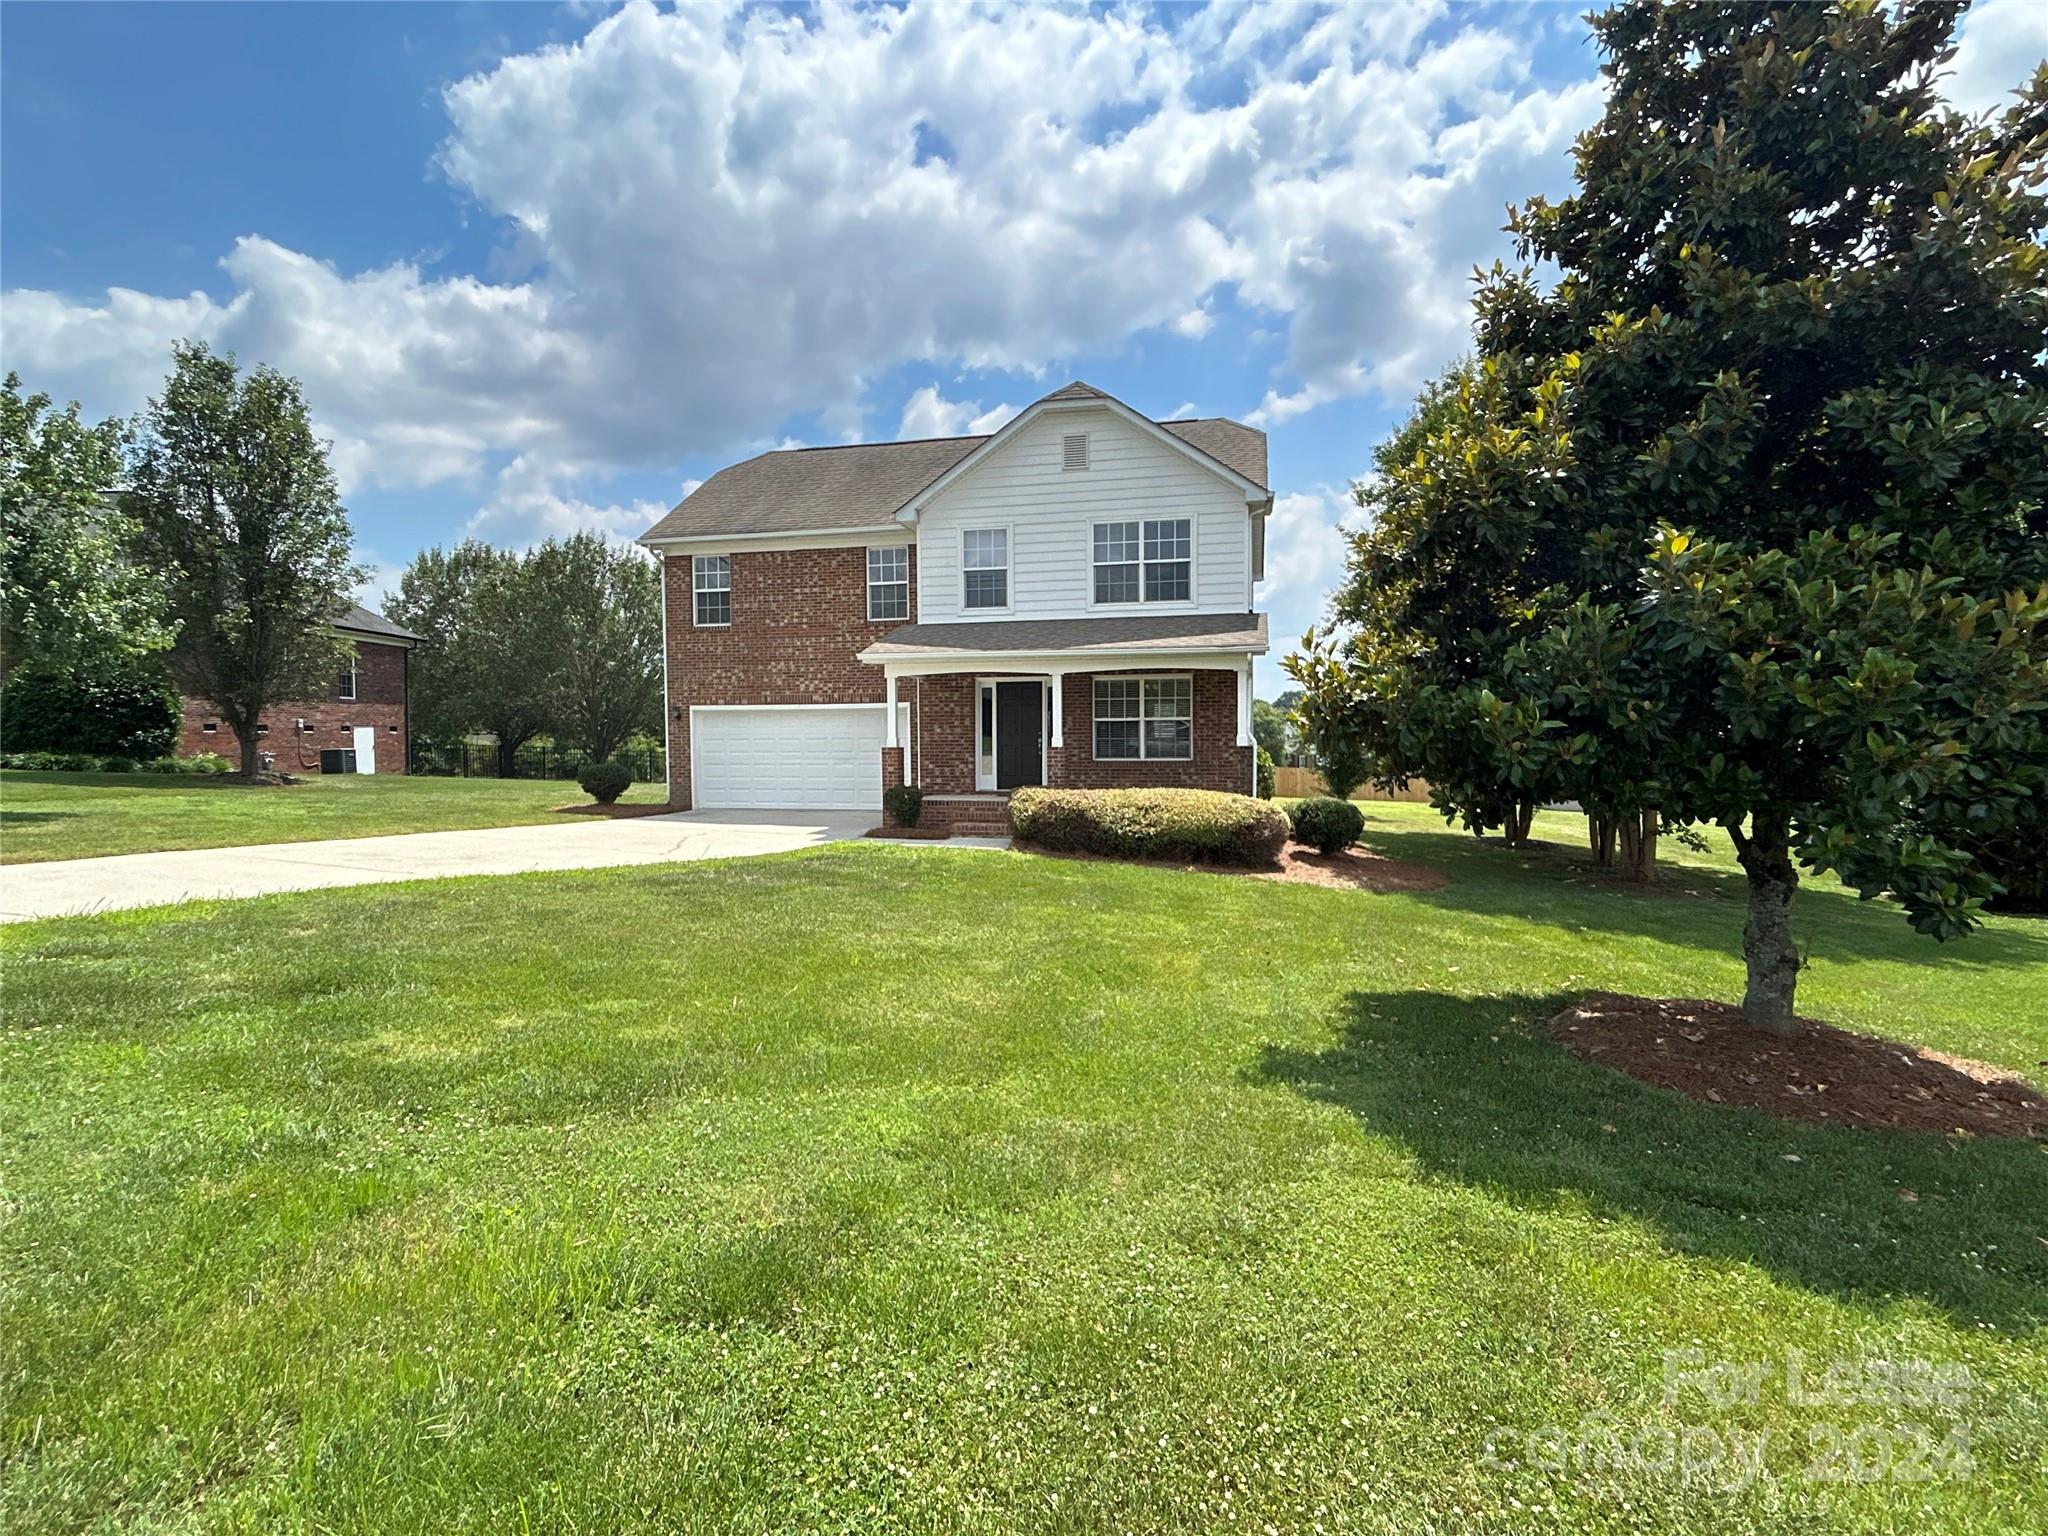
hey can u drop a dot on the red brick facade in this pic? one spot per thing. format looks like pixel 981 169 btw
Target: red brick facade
pixel 382 676
pixel 799 619
pixel 799 616
pixel 943 730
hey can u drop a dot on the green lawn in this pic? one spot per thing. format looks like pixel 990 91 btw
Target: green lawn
pixel 896 1188
pixel 81 815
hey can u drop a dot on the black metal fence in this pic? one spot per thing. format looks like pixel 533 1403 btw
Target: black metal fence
pixel 540 760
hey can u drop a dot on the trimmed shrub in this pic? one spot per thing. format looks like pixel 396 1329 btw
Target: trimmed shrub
pixel 604 782
pixel 904 804
pixel 1201 825
pixel 1265 774
pixel 205 763
pixel 117 764
pixel 1325 823
pixel 127 714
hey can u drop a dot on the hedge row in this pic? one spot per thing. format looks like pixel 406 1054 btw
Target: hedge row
pixel 1201 825
pixel 86 762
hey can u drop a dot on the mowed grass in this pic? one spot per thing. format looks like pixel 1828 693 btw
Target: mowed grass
pixel 83 815
pixel 894 1188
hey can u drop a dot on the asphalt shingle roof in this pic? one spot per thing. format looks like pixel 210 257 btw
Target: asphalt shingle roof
pixel 862 485
pixel 363 621
pixel 1145 632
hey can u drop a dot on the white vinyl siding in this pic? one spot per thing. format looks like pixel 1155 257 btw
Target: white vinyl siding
pixel 1050 513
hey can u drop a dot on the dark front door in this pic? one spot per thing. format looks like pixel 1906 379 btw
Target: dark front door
pixel 1020 722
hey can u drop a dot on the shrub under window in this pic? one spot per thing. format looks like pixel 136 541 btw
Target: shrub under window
pixel 1192 824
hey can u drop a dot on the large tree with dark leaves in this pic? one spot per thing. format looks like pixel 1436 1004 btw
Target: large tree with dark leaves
pixel 1741 515
pixel 235 504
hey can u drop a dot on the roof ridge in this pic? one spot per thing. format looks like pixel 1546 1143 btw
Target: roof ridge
pixel 880 442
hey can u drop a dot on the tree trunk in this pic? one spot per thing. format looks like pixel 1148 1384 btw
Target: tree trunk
pixel 1638 832
pixel 1515 829
pixel 1600 832
pixel 247 739
pixel 1767 945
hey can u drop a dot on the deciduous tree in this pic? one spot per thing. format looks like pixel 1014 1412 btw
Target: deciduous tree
pixel 236 505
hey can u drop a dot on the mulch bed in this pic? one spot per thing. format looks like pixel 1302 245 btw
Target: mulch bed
pixel 1824 1076
pixel 611 812
pixel 1354 869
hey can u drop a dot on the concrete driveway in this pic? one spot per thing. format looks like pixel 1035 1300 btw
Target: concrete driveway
pixel 71 886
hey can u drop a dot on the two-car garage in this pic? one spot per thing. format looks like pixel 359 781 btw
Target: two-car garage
pixel 811 757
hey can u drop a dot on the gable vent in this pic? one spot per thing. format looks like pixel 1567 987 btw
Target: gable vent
pixel 1075 445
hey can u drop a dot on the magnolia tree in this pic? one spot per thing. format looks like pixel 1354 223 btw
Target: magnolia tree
pixel 1738 516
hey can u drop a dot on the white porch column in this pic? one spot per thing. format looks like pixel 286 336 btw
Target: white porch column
pixel 1059 707
pixel 1244 705
pixel 889 688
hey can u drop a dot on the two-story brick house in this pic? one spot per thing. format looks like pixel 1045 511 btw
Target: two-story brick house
pixel 1067 601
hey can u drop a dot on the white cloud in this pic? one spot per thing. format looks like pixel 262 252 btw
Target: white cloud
pixel 1305 543
pixel 2000 44
pixel 529 504
pixel 930 414
pixel 732 217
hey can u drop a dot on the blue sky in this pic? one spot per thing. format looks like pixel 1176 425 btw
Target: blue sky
pixel 542 268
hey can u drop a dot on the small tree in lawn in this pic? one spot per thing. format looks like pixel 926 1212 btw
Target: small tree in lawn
pixel 72 599
pixel 1749 502
pixel 607 603
pixel 235 502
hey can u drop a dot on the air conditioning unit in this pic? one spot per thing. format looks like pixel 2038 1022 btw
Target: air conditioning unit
pixel 337 760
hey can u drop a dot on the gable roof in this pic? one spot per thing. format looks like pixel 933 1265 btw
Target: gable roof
pixel 864 485
pixel 357 619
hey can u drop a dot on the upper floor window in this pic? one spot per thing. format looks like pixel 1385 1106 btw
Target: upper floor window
pixel 888 584
pixel 711 588
pixel 1149 560
pixel 985 568
pixel 346 684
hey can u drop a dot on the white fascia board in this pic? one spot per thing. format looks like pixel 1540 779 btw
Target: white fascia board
pixel 1252 493
pixel 1227 659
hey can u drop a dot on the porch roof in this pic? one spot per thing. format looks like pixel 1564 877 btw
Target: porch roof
pixel 1082 639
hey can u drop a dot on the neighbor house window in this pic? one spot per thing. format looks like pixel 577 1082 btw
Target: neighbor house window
pixel 985 568
pixel 1145 717
pixel 1149 560
pixel 347 682
pixel 210 726
pixel 711 583
pixel 889 583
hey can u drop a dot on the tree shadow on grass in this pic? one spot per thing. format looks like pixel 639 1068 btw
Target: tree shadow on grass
pixel 1701 908
pixel 29 818
pixel 1479 1094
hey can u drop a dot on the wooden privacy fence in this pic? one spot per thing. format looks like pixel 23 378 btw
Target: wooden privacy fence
pixel 1296 783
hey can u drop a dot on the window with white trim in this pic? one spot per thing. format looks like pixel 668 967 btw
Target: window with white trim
pixel 1149 560
pixel 711 589
pixel 1144 718
pixel 888 584
pixel 985 568
pixel 347 681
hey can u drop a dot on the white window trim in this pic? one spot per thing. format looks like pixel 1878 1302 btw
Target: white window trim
pixel 1009 567
pixel 869 558
pixel 1155 605
pixel 351 694
pixel 1141 679
pixel 695 621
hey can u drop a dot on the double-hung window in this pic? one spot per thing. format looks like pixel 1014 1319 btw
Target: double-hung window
pixel 1144 717
pixel 711 588
pixel 888 584
pixel 1148 560
pixel 985 568
pixel 346 683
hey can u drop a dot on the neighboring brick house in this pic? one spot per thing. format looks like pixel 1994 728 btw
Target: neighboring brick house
pixel 363 725
pixel 1067 601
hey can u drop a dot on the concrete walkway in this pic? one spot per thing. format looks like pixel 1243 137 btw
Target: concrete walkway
pixel 68 887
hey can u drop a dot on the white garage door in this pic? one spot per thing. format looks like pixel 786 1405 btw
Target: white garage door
pixel 802 758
